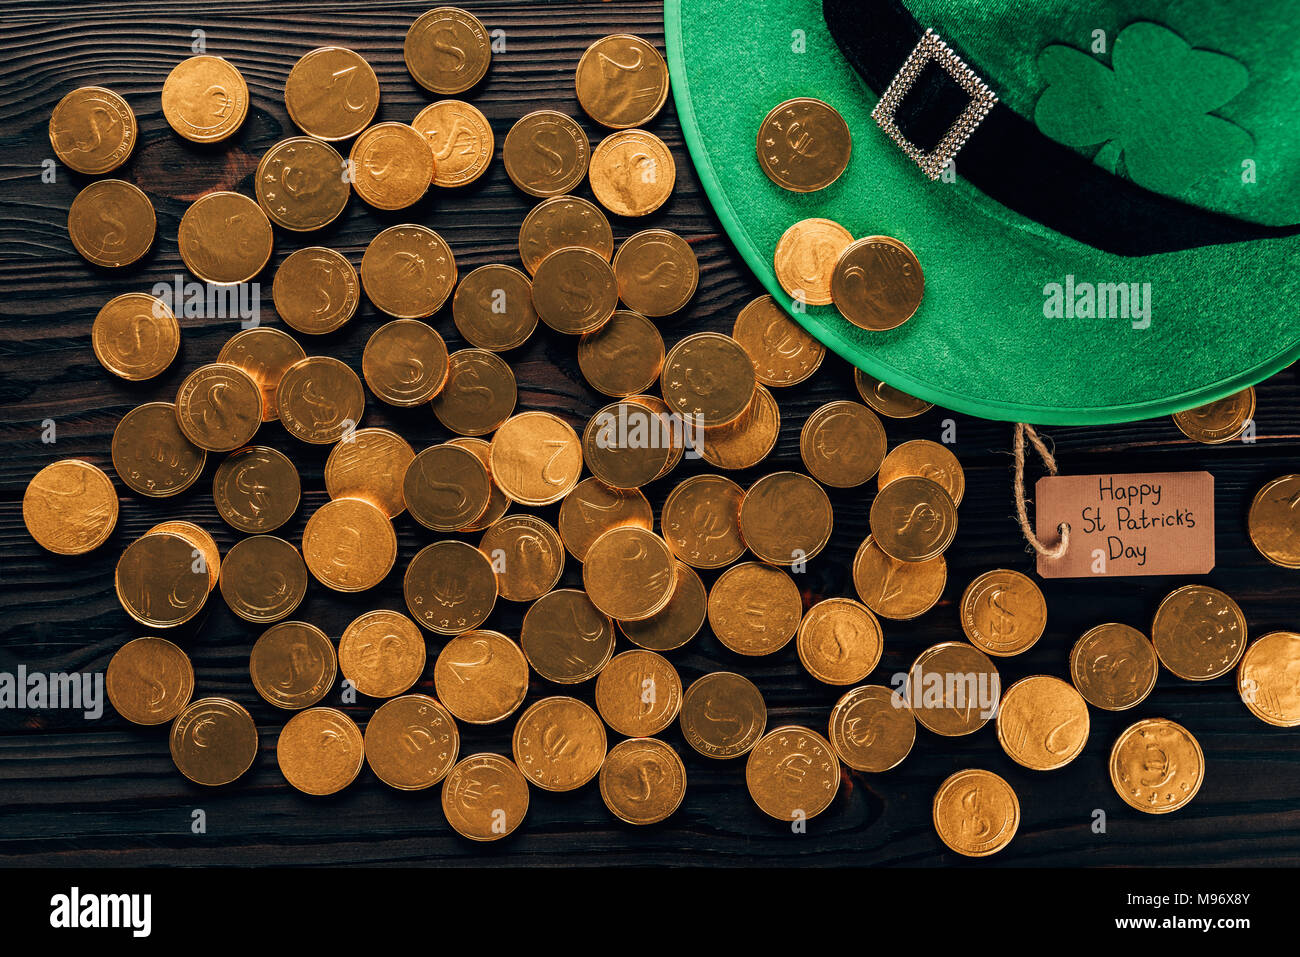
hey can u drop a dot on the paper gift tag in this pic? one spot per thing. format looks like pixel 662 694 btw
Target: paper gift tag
pixel 1136 523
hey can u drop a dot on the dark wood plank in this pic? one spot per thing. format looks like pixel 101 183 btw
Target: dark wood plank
pixel 104 792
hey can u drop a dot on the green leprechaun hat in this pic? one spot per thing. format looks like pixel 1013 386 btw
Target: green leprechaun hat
pixel 1116 237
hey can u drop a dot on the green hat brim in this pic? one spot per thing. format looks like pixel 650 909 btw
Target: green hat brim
pixel 1222 318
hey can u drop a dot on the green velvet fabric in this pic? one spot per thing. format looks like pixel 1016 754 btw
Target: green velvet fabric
pixel 994 336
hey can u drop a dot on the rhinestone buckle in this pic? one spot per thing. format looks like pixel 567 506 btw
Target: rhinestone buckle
pixel 929 48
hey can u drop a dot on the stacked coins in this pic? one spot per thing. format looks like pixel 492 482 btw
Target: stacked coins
pixel 515 496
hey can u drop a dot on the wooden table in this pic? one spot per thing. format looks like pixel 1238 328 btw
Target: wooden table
pixel 78 792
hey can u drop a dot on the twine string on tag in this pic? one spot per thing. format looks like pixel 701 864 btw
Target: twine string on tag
pixel 1051 552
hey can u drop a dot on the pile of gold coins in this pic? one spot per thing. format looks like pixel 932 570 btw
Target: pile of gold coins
pixel 715 402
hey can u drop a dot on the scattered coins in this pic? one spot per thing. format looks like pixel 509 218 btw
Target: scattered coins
pixel 804 145
pixel 205 99
pixel 158 581
pixel 926 459
pixel 1114 666
pixel 976 813
pixel 747 440
pixel 149 681
pixel 371 466
pixel 677 622
pixel 593 508
pixel 265 354
pixel 1218 422
pixel 562 221
pixel 1156 766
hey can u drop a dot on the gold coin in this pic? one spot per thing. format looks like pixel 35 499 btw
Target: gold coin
pixel 1003 612
pixel 792 773
pixel 149 681
pixel 622 357
pixel 708 379
pixel 392 167
pixel 565 637
pixel 205 99
pixel 782 351
pixel 316 290
pixel 842 444
pixel 135 336
pixel 349 545
pixel 754 609
pixel 256 489
pixel 1275 521
pixel 461 139
pixel 872 728
pixel 320 400
pixel 332 93
pixel 888 401
pixel 913 519
pixel 953 688
pixel 804 145
pixel 632 173
pixel 263 578
pixel 405 362
pixel 1156 766
pixel 786 518
pixel 382 653
pixel 563 221
pixel 213 741
pixel 672 429
pixel 629 573
pixel 450 587
pixel 745 442
pixel 593 508
pixel 498 504
pixel 92 130
pixel 225 238
pixel 493 308
pixel 701 521
pixel 151 454
pixel 485 797
pixel 299 182
pixel 723 715
pixel 320 751
pixel 536 458
pixel 1042 723
pixel 265 354
pixel 559 744
pixel 877 283
pixel 481 676
pixel 928 460
pixel 411 742
pixel 839 641
pixel 546 154
pixel 642 781
pixel 1266 679
pixel 805 259
pixel 657 272
pixel 626 445
pixel 527 555
pixel 160 581
pixel 1113 666
pixel 1220 421
pixel 446 488
pixel 894 589
pixel 203 544
pixel 70 507
pixel 1199 632
pixel 678 621
pixel 408 271
pixel 293 665
pixel 976 813
pixel 479 395
pixel 111 223
pixel 447 50
pixel 638 693
pixel 574 290
pixel 371 464
pixel 621 81
pixel 219 407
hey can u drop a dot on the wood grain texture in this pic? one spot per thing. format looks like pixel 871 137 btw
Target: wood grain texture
pixel 77 792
